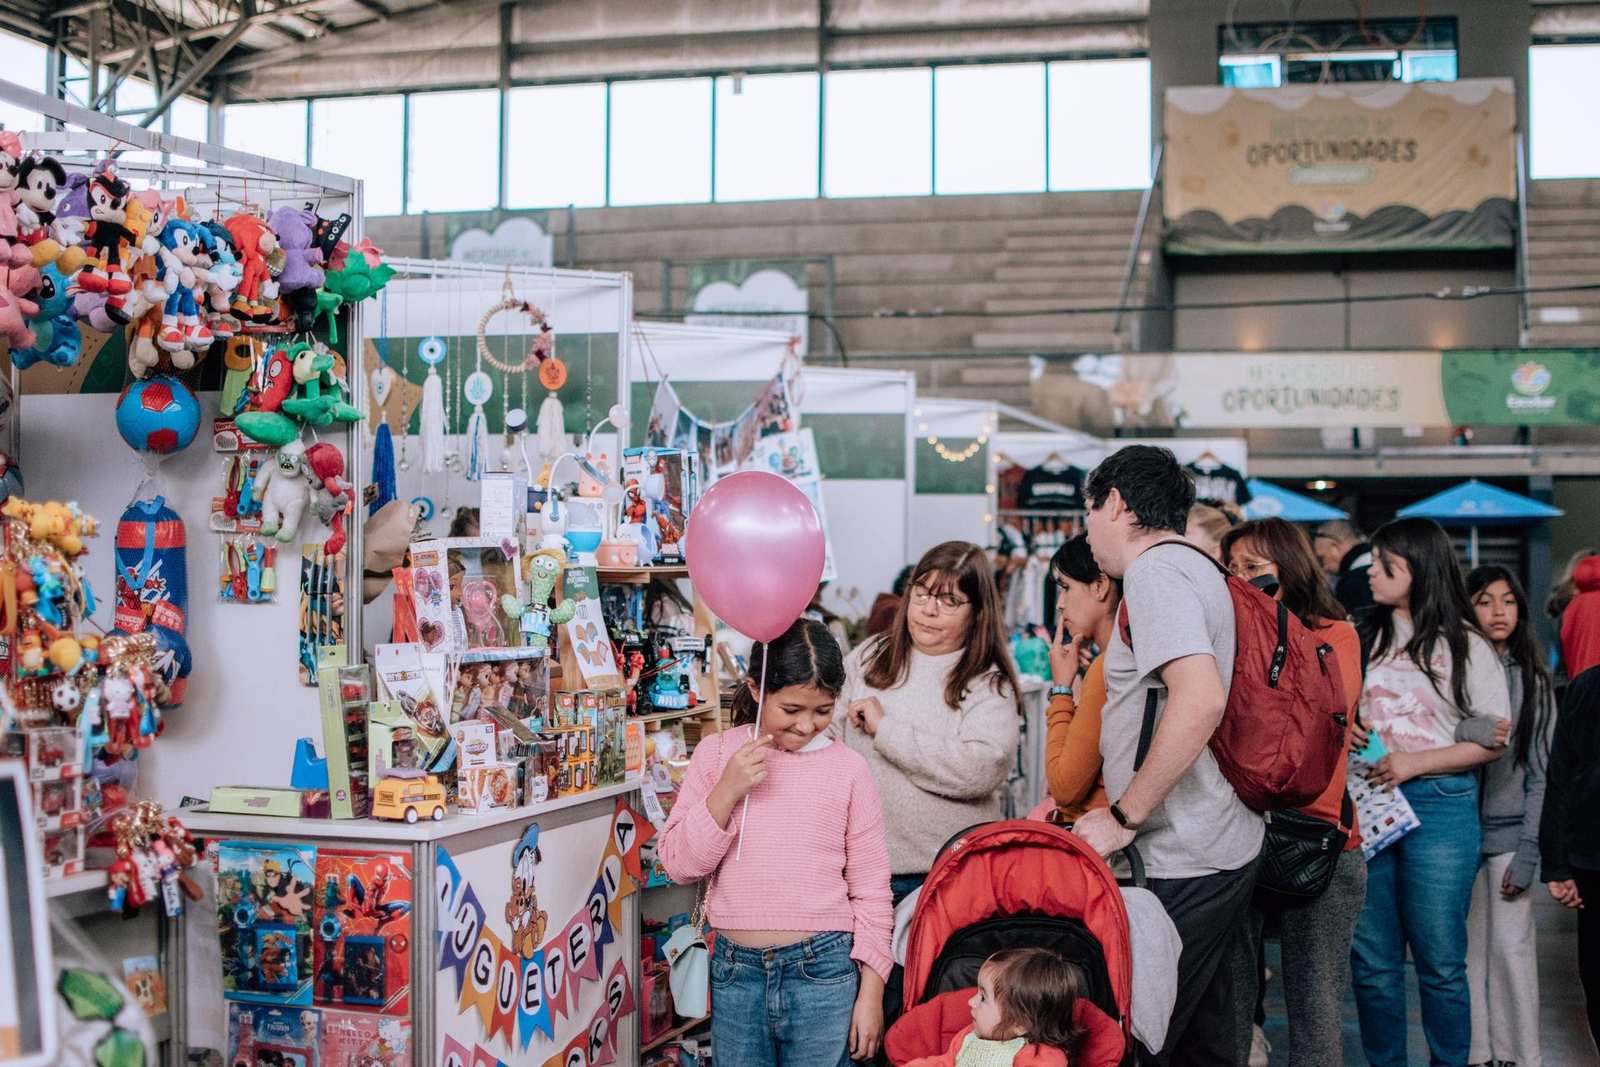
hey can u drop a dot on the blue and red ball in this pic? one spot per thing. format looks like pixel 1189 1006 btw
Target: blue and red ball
pixel 158 415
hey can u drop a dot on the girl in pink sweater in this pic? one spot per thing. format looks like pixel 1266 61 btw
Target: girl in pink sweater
pixel 787 826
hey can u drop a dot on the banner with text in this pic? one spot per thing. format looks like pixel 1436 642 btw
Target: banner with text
pixel 1344 167
pixel 1243 390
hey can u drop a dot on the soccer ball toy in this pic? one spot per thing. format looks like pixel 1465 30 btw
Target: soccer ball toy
pixel 158 415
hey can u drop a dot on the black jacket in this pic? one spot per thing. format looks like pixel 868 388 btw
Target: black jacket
pixel 1351 587
pixel 1569 832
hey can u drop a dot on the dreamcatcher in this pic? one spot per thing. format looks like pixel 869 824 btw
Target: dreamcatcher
pixel 541 355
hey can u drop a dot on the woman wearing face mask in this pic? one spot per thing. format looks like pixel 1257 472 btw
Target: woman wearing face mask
pixel 1502 961
pixel 1430 668
pixel 1088 612
pixel 1316 932
pixel 932 705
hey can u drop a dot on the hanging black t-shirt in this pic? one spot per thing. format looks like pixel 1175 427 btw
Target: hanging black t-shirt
pixel 1218 481
pixel 1058 489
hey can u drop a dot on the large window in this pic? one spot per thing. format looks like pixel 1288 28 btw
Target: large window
pixel 1561 87
pixel 988 131
pixel 23 63
pixel 1100 124
pixel 556 146
pixel 878 134
pixel 362 137
pixel 276 130
pixel 661 141
pixel 455 151
pixel 767 137
pixel 189 118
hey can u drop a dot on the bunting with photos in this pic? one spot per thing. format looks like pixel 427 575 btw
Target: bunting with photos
pixel 723 447
pixel 517 990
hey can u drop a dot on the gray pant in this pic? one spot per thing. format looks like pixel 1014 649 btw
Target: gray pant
pixel 1315 937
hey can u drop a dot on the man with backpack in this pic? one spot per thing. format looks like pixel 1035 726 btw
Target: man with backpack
pixel 1168 674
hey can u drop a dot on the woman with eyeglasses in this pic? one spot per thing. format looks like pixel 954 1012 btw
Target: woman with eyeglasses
pixel 933 706
pixel 1316 931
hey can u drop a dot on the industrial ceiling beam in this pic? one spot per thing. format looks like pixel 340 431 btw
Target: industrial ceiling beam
pixel 244 22
pixel 199 70
pixel 268 58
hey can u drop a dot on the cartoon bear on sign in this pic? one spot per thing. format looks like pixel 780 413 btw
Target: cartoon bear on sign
pixel 522 910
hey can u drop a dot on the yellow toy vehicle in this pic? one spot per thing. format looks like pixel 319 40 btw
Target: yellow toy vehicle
pixel 410 795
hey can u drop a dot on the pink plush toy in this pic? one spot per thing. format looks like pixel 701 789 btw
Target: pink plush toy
pixel 10 167
pixel 18 278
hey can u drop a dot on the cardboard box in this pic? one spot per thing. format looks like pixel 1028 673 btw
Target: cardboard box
pixel 63 852
pixel 269 800
pixel 344 692
pixel 488 788
pixel 53 753
pixel 59 804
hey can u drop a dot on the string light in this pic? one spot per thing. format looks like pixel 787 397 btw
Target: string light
pixel 951 456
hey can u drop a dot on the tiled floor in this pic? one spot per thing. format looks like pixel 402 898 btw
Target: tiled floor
pixel 1566 1034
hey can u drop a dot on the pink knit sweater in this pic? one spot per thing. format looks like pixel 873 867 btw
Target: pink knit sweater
pixel 813 855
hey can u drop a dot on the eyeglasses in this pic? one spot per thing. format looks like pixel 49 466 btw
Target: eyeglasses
pixel 921 595
pixel 1251 570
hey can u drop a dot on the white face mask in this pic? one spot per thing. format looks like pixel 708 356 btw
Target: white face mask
pixel 821 740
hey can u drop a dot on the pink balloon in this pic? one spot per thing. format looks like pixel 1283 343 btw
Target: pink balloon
pixel 755 550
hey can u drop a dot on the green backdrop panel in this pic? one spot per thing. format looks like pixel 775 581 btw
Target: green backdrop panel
pixel 1522 386
pixel 939 476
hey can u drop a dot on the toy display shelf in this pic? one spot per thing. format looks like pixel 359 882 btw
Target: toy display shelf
pixel 676 1032
pixel 573 835
pixel 639 575
pixel 203 822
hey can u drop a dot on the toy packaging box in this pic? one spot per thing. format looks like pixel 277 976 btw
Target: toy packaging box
pixel 352 1040
pixel 272 1037
pixel 515 682
pixel 456 588
pixel 63 852
pixel 362 921
pixel 53 753
pixel 58 805
pixel 264 914
pixel 403 670
pixel 659 509
pixel 345 692
pixel 488 788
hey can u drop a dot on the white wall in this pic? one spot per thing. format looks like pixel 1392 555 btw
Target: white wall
pixel 245 705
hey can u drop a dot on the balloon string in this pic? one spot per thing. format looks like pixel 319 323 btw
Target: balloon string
pixel 755 732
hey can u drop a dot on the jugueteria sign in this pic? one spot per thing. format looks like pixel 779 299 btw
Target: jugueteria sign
pixel 1368 166
pixel 1486 387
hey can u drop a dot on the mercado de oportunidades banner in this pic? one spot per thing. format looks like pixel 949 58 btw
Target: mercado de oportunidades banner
pixel 1347 167
pixel 1245 390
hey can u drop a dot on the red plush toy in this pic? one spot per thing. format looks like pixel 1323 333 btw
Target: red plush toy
pixel 334 495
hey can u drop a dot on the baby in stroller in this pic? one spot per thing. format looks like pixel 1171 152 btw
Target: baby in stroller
pixel 1022 1014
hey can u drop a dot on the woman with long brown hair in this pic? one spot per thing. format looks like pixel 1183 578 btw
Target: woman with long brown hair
pixel 933 706
pixel 1316 930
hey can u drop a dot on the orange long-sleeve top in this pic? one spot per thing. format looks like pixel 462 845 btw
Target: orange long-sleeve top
pixel 1072 745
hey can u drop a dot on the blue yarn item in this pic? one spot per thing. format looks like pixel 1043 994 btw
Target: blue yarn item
pixel 382 468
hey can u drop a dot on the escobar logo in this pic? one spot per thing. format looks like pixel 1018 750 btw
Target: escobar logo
pixel 1529 381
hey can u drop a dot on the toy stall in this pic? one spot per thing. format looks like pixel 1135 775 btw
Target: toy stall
pixel 389 769
pixel 747 401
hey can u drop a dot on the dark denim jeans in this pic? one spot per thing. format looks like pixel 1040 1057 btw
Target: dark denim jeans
pixel 1418 892
pixel 783 1007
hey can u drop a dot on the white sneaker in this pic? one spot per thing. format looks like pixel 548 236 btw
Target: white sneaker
pixel 1260 1047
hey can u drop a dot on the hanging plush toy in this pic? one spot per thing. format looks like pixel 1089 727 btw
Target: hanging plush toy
pixel 301 276
pixel 181 272
pixel 153 587
pixel 257 294
pixel 222 279
pixel 354 283
pixel 19 279
pixel 57 340
pixel 332 496
pixel 40 180
pixel 282 490
pixel 10 162
pixel 109 238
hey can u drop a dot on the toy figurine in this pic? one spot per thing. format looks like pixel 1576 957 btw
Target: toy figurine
pixel 283 492
pixel 39 180
pixel 10 163
pixel 332 495
pixel 56 337
pixel 182 262
pixel 320 398
pixel 542 570
pixel 302 274
pixel 109 237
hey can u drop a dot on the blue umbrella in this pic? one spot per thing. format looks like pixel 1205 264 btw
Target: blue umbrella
pixel 1269 501
pixel 1474 503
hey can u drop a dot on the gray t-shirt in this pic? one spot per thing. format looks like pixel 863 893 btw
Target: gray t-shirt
pixel 1178 605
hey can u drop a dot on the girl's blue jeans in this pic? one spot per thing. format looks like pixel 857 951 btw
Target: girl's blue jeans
pixel 783 1007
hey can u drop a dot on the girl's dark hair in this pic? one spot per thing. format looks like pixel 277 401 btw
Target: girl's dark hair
pixel 1440 607
pixel 1074 560
pixel 960 567
pixel 805 654
pixel 1538 689
pixel 1037 990
pixel 1305 590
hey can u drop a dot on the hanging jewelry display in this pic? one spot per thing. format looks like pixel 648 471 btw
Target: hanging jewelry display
pixel 431 351
pixel 552 421
pixel 452 370
pixel 478 389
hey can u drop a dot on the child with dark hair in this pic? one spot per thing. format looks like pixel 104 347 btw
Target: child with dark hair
pixel 1022 1014
pixel 786 827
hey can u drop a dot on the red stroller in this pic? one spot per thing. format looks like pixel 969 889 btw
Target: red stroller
pixel 1015 884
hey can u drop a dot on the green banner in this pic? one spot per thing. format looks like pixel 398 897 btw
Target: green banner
pixel 1522 386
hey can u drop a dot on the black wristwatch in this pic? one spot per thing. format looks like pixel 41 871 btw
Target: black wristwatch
pixel 1122 818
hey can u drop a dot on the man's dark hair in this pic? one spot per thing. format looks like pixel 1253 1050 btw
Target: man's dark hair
pixel 1155 487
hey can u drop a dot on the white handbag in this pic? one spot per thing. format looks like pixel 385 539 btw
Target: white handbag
pixel 689 965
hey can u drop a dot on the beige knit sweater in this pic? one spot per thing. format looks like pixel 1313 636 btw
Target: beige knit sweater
pixel 939 770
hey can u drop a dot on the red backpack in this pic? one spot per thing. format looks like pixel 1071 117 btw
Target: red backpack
pixel 1282 731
